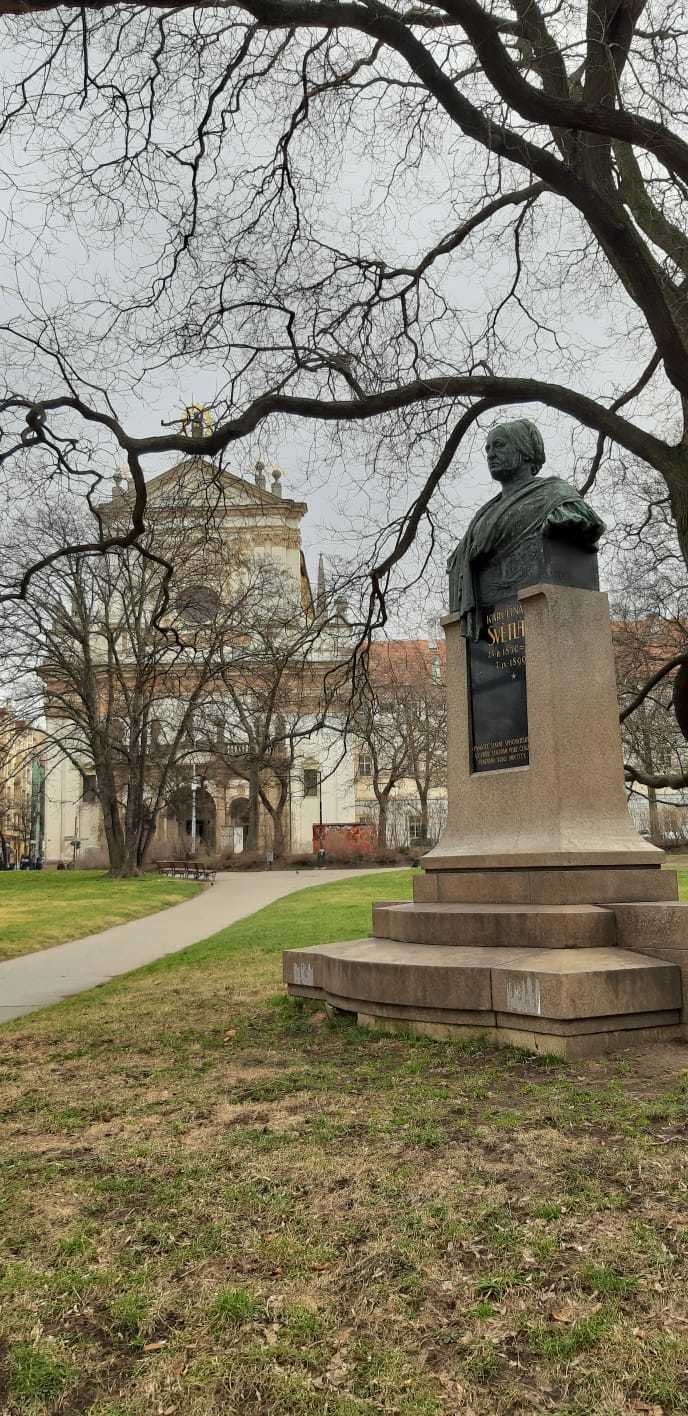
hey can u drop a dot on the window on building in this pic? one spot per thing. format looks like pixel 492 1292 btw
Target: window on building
pixel 198 604
pixel 90 791
pixel 365 764
pixel 311 781
pixel 415 829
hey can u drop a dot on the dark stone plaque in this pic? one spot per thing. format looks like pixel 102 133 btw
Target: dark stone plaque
pixel 498 703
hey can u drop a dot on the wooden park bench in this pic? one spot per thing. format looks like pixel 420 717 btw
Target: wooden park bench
pixel 187 870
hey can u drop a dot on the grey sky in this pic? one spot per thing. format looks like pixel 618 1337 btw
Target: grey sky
pixel 63 264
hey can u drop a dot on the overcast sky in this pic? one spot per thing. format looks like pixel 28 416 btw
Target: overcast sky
pixel 51 260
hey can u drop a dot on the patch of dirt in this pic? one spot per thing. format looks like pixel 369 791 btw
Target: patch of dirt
pixel 273 1116
pixel 3 1369
pixel 664 1062
pixel 56 1147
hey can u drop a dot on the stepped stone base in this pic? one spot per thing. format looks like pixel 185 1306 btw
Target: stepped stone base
pixel 541 917
pixel 551 1044
pixel 570 1001
pixel 595 885
pixel 572 979
pixel 660 930
pixel 524 926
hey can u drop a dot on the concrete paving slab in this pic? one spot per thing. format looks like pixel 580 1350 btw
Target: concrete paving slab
pixel 37 980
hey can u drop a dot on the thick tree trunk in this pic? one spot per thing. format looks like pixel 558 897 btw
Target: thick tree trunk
pixel 652 807
pixel 383 804
pixel 129 867
pixel 678 492
pixel 275 811
pixel 278 832
pixel 424 824
pixel 253 800
pixel 653 813
pixel 122 840
pixel 114 836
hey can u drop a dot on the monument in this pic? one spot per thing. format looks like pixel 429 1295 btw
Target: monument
pixel 541 918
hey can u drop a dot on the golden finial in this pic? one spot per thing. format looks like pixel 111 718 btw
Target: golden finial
pixel 197 420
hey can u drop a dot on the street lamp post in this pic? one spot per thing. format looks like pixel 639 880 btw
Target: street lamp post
pixel 195 784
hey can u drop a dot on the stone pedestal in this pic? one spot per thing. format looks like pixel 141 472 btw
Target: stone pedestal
pixel 541 919
pixel 567 807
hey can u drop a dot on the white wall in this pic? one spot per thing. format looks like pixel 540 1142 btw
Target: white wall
pixel 65 811
pixel 324 751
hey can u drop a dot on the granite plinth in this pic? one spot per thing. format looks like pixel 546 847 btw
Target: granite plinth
pixel 542 919
pixel 661 924
pixel 588 998
pixel 597 885
pixel 549 1044
pixel 567 807
pixel 488 926
pixel 658 929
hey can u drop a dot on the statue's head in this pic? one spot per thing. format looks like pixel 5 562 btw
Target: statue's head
pixel 513 447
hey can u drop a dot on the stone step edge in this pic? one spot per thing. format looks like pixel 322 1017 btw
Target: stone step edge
pixel 515 957
pixel 489 1017
pixel 489 926
pixel 567 984
pixel 594 885
pixel 459 908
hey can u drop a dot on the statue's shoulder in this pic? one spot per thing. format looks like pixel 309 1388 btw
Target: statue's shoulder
pixel 560 489
pixel 559 482
pixel 484 509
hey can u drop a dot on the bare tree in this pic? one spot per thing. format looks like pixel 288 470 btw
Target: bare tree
pixel 209 153
pixel 20 749
pixel 650 632
pixel 400 726
pixel 655 750
pixel 126 659
pixel 424 704
pixel 379 729
pixel 290 681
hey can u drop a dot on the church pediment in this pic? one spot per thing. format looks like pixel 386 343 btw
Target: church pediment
pixel 195 479
pixel 194 475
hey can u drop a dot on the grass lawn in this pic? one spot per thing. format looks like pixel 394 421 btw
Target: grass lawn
pixel 678 861
pixel 44 907
pixel 214 1201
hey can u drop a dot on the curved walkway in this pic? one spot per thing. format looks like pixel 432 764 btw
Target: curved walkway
pixel 36 980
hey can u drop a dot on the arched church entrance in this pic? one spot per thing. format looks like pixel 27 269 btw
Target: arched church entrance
pixel 180 810
pixel 238 818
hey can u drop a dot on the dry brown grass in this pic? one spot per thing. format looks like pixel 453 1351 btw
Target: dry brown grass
pixel 216 1201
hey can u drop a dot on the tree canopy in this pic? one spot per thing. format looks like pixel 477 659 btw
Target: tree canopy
pixel 386 218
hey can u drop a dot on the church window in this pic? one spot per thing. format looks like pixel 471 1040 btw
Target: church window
pixel 197 604
pixel 365 764
pixel 90 786
pixel 311 780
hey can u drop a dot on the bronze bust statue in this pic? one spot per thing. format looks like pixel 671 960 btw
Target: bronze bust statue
pixel 518 534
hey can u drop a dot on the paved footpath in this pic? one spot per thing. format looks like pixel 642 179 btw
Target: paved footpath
pixel 36 980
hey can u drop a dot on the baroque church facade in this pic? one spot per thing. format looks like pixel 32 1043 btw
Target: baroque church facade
pixel 209 523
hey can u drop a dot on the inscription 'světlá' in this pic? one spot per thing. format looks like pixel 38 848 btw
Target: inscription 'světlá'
pixel 498 705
